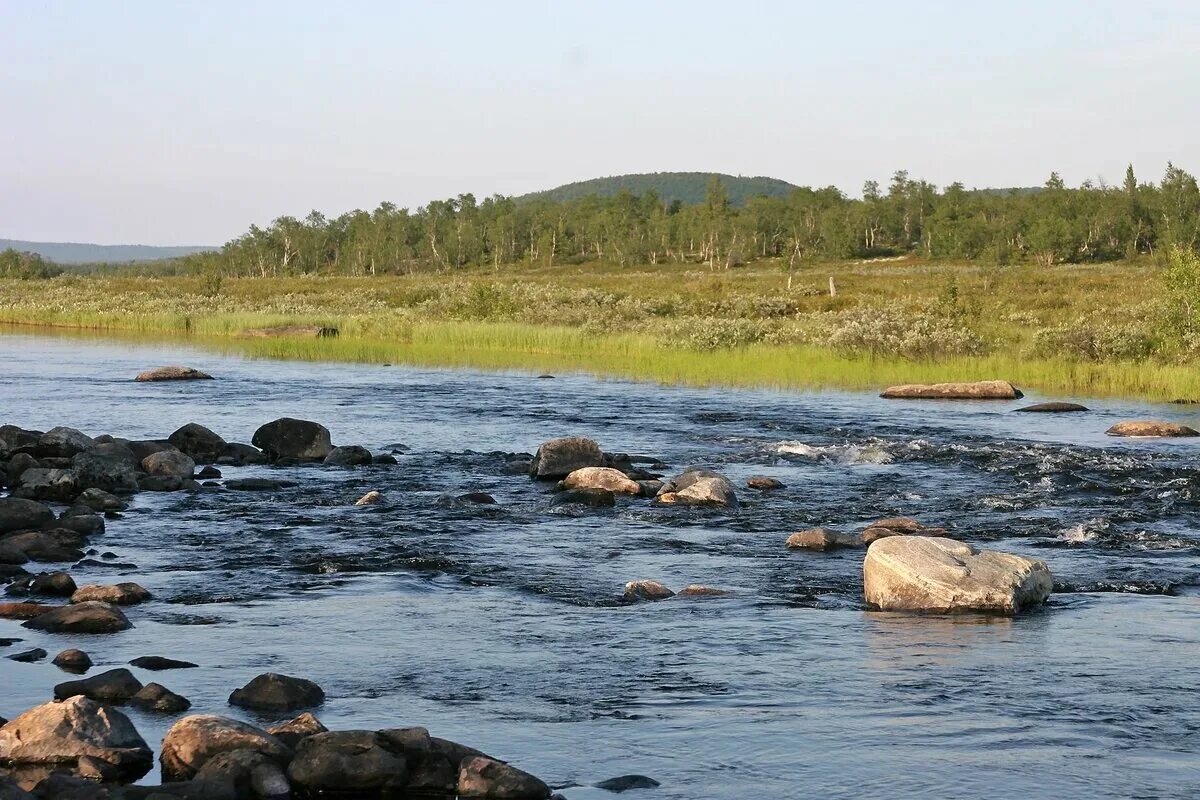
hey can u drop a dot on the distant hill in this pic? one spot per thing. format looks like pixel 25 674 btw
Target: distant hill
pixel 687 187
pixel 1010 191
pixel 77 253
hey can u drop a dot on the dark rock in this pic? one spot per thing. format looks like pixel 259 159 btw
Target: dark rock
pixel 1053 408
pixel 73 660
pixel 293 438
pixel 23 610
pixel 88 617
pixel 274 692
pixel 558 458
pixel 61 786
pixel 355 761
pixel 649 488
pixel 384 458
pixel 821 540
pixel 626 782
pixel 198 442
pixel 351 455
pixel 100 500
pixel 63 443
pixel 58 584
pixel 51 545
pixel 17 514
pixel 592 498
pixel 646 590
pixel 169 464
pixel 143 448
pixel 763 483
pixel 113 686
pixel 484 777
pixel 297 730
pixel 156 697
pixel 482 498
pixel 62 733
pixel 40 483
pixel 13 438
pixel 248 774
pixel 159 663
pixel 17 465
pixel 120 594
pixel 209 472
pixel 239 454
pixel 258 484
pixel 11 790
pixel 193 740
pixel 83 524
pixel 28 656
pixel 698 487
pixel 173 373
pixel 108 468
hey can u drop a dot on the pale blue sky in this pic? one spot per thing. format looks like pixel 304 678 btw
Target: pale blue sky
pixel 182 123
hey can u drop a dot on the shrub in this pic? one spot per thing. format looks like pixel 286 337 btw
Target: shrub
pixel 1093 338
pixel 894 330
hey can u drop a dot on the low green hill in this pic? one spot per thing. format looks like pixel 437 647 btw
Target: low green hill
pixel 80 253
pixel 687 187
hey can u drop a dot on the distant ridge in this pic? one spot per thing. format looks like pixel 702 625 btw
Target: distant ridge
pixel 687 187
pixel 79 253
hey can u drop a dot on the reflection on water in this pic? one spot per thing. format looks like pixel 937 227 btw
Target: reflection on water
pixel 498 625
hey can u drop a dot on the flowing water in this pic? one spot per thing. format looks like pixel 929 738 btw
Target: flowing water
pixel 500 626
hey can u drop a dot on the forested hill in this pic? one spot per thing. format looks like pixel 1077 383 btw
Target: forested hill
pixel 79 253
pixel 687 187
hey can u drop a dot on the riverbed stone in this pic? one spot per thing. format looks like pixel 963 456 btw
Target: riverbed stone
pixel 485 777
pixel 763 483
pixel 369 499
pixel 274 692
pixel 19 514
pixel 173 373
pixel 258 484
pixel 14 438
pixel 17 466
pixel 195 739
pixel 821 540
pixel 238 454
pixel 297 730
pixel 198 443
pixel 47 546
pixel 934 574
pixel 700 590
pixel 169 464
pixel 349 455
pixel 160 663
pixel 698 487
pixel 156 697
pixel 625 783
pixel 63 732
pixel 48 483
pixel 112 686
pixel 558 458
pixel 82 521
pixel 28 656
pixel 26 610
pixel 73 660
pixel 348 760
pixel 88 617
pixel 646 590
pixel 290 438
pixel 976 390
pixel 1054 407
pixel 56 584
pixel 246 774
pixel 592 498
pixel 63 442
pixel 1151 429
pixel 607 478
pixel 120 594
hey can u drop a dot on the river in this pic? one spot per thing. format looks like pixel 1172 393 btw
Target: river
pixel 500 626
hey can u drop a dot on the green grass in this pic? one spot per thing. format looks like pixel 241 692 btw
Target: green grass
pixel 620 323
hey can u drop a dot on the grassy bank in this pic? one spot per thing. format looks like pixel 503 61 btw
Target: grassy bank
pixel 1069 330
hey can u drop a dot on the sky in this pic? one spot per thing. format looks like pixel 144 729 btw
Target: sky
pixel 165 122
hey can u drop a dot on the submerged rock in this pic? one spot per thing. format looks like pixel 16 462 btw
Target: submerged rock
pixel 624 783
pixel 73 660
pixel 558 458
pixel 87 617
pixel 606 478
pixel 173 373
pixel 1148 429
pixel 193 740
pixel 763 483
pixel 921 573
pixel 592 498
pixel 156 697
pixel 60 734
pixel 646 590
pixel 258 484
pixel 978 390
pixel 369 499
pixel 293 438
pixel 29 656
pixel 1056 407
pixel 821 540
pixel 159 663
pixel 274 692
pixel 478 498
pixel 699 590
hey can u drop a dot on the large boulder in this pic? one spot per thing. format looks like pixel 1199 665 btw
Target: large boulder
pixel 977 390
pixel 56 544
pixel 194 740
pixel 293 439
pixel 173 373
pixel 73 660
pixel 60 734
pixel 558 458
pixel 156 697
pixel 1148 428
pixel 485 777
pixel 274 692
pixel 239 454
pixel 198 442
pixel 119 594
pixel 169 464
pixel 18 514
pixel 112 686
pixel 245 774
pixel 17 465
pixel 13 439
pixel 89 617
pixel 607 478
pixel 43 483
pixel 646 590
pixel 63 442
pixel 933 574
pixel 350 455
pixel 698 487
pixel 100 500
pixel 355 761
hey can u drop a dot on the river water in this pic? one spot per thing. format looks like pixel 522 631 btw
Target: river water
pixel 499 626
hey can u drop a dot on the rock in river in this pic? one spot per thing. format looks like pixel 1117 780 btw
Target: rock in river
pixel 169 464
pixel 89 617
pixel 763 484
pixel 198 442
pixel 698 487
pixel 62 733
pixel 17 514
pixel 156 697
pixel 63 442
pixel 646 590
pixel 293 438
pixel 113 686
pixel 73 660
pixel 274 692
pixel 173 373
pixel 359 761
pixel 1055 407
pixel 297 730
pixel 159 663
pixel 607 478
pixel 821 540
pixel 485 777
pixel 121 594
pixel 922 573
pixel 1146 428
pixel 369 499
pixel 194 740
pixel 558 458
pixel 979 390
pixel 350 455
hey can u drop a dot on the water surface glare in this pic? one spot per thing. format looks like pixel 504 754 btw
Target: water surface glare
pixel 498 626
